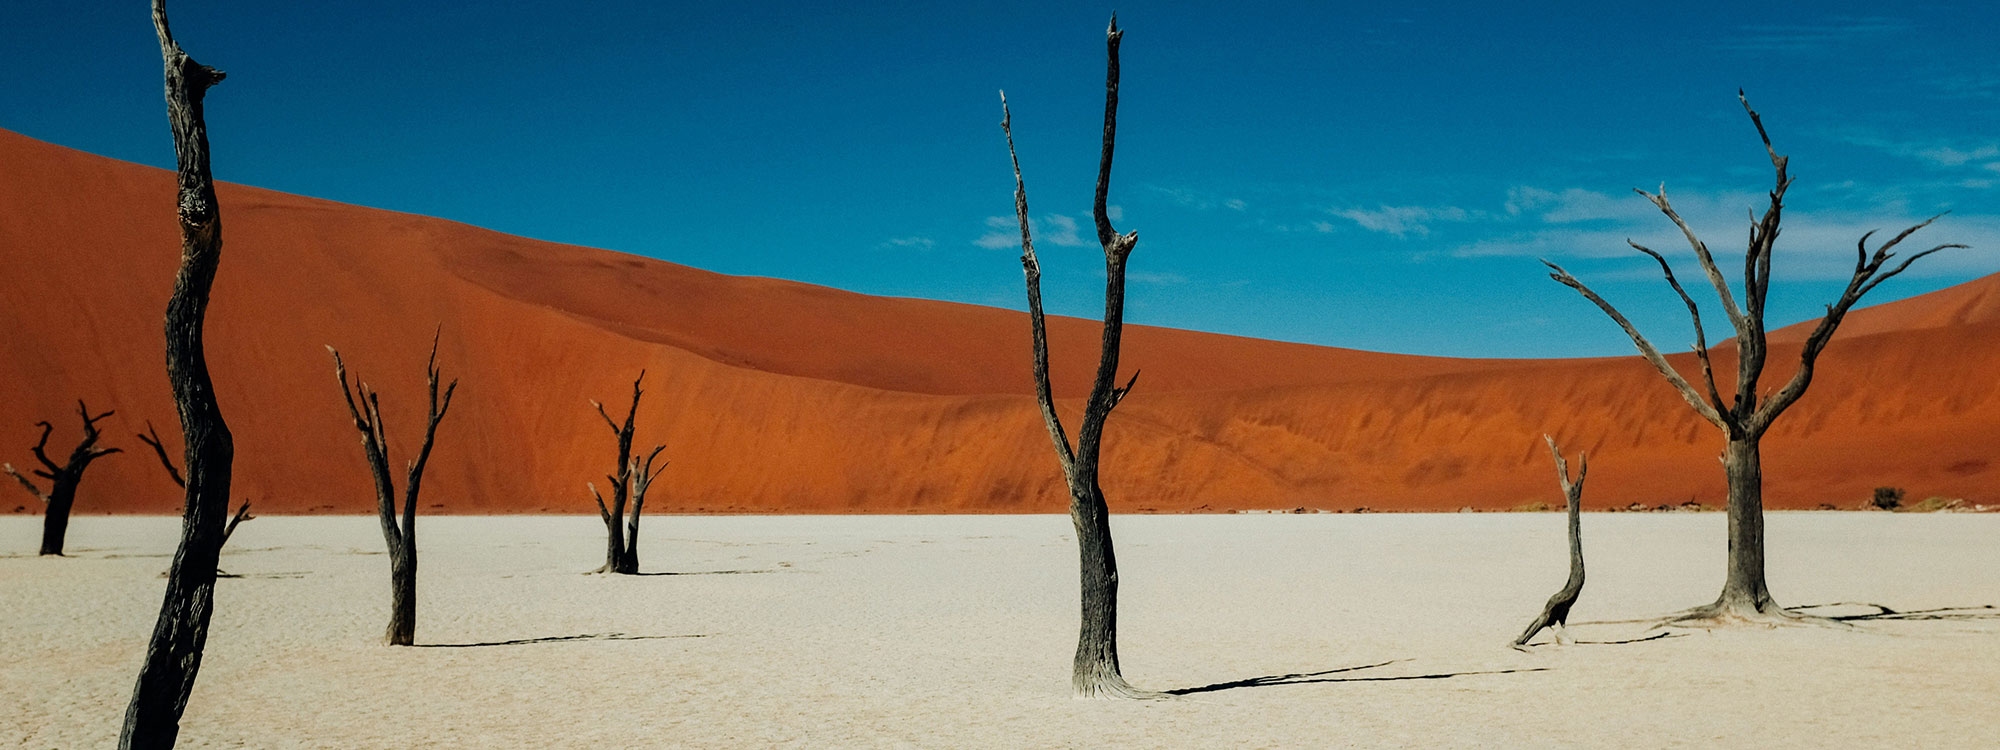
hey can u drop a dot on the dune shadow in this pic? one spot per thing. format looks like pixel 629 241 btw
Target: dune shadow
pixel 1309 678
pixel 1883 613
pixel 560 639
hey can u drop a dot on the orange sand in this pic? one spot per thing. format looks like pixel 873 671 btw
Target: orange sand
pixel 774 396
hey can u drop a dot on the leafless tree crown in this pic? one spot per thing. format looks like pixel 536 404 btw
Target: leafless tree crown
pixel 1095 670
pixel 364 406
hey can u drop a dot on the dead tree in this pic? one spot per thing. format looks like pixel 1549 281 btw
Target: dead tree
pixel 1555 614
pixel 628 485
pixel 365 407
pixel 173 656
pixel 63 478
pixel 1748 413
pixel 1095 672
pixel 151 437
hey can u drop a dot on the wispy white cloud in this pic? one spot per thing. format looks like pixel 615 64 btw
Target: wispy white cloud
pixel 1053 229
pixel 1815 244
pixel 1156 279
pixel 910 243
pixel 1001 231
pixel 1401 221
pixel 1235 204
pixel 1935 152
pixel 1574 205
pixel 1059 230
pixel 1961 84
pixel 1946 156
pixel 1837 32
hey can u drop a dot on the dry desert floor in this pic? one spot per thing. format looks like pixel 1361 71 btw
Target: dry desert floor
pixel 956 631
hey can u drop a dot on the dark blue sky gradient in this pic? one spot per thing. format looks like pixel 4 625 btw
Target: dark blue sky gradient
pixel 1372 177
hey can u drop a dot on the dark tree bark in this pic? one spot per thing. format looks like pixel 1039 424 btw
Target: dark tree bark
pixel 63 478
pixel 1555 614
pixel 1095 672
pixel 1748 414
pixel 151 437
pixel 628 487
pixel 365 407
pixel 173 656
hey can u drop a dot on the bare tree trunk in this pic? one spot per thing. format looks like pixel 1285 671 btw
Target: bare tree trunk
pixel 173 656
pixel 55 523
pixel 402 630
pixel 1555 614
pixel 365 407
pixel 628 484
pixel 1745 417
pixel 63 478
pixel 1743 589
pixel 1095 671
pixel 642 475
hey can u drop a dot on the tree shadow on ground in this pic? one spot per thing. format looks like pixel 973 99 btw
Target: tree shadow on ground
pixel 702 573
pixel 1641 639
pixel 559 639
pixel 1882 613
pixel 1308 678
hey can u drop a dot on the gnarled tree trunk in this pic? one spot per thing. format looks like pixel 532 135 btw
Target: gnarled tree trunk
pixel 628 486
pixel 1555 614
pixel 173 656
pixel 1743 587
pixel 1095 671
pixel 63 478
pixel 1748 413
pixel 365 407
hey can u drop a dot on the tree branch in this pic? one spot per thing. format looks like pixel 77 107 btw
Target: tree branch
pixel 152 437
pixel 1867 275
pixel 1708 267
pixel 40 445
pixel 1117 248
pixel 1700 336
pixel 242 514
pixel 30 486
pixel 1646 348
pixel 602 511
pixel 1032 269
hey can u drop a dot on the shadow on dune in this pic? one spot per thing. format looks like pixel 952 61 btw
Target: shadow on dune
pixel 560 639
pixel 1308 678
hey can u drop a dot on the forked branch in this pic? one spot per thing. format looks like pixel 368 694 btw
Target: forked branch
pixel 151 437
pixel 1646 348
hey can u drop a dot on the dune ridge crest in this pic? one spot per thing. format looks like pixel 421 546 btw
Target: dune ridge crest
pixel 780 397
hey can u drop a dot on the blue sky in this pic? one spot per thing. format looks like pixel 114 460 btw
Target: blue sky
pixel 1378 177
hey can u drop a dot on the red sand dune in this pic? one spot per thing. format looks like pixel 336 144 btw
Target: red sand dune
pixel 774 396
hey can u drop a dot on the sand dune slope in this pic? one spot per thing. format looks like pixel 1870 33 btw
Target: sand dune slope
pixel 778 396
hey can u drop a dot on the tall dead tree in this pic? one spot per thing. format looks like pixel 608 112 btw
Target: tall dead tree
pixel 173 656
pixel 1748 412
pixel 628 484
pixel 1095 672
pixel 151 437
pixel 63 478
pixel 1555 614
pixel 365 407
